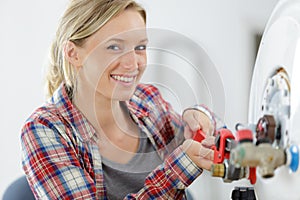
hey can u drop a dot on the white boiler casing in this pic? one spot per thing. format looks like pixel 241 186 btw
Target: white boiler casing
pixel 279 49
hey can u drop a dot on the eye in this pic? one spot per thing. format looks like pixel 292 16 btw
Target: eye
pixel 140 48
pixel 114 47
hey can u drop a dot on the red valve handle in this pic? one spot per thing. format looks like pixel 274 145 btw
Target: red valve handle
pixel 252 175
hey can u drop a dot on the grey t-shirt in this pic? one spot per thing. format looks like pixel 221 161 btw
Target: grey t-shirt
pixel 122 179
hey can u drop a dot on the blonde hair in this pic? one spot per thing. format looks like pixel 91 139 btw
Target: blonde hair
pixel 81 19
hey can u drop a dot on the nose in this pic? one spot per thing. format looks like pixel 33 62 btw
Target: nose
pixel 132 60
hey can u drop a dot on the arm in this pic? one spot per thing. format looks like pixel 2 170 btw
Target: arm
pixel 178 171
pixel 51 164
pixel 169 180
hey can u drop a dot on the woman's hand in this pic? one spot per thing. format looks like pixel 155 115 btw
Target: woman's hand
pixel 196 120
pixel 200 153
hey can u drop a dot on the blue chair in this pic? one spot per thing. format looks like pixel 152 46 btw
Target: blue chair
pixel 18 190
pixel 189 195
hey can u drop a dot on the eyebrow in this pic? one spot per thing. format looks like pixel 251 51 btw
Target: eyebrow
pixel 144 40
pixel 121 40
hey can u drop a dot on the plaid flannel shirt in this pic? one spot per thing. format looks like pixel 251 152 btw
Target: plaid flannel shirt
pixel 61 159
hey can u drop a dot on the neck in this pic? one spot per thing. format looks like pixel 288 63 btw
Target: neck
pixel 103 113
pixel 111 121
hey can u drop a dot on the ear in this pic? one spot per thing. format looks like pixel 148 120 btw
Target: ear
pixel 72 54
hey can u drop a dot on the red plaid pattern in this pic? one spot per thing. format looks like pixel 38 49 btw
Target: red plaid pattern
pixel 61 159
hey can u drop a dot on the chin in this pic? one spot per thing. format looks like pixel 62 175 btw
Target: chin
pixel 123 95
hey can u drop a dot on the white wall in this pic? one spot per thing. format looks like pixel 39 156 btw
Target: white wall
pixel 27 28
pixel 227 30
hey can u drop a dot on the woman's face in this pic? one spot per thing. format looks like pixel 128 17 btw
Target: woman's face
pixel 115 56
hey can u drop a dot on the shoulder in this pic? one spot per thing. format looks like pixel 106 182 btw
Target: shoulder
pixel 146 90
pixel 43 118
pixel 148 93
pixel 147 96
pixel 47 111
pixel 145 100
pixel 148 99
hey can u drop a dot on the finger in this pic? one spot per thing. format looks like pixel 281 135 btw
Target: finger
pixel 201 156
pixel 196 149
pixel 192 122
pixel 202 162
pixel 209 141
pixel 206 153
pixel 204 122
pixel 188 134
pixel 188 146
pixel 205 164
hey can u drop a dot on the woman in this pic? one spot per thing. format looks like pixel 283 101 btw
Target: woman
pixel 102 135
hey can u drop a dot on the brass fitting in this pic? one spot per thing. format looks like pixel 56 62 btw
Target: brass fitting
pixel 228 171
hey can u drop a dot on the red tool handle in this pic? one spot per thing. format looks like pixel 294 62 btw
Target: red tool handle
pixel 220 152
pixel 199 136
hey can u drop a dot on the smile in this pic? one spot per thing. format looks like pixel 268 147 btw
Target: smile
pixel 124 79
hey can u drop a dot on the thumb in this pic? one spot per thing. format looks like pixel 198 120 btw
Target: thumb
pixel 188 134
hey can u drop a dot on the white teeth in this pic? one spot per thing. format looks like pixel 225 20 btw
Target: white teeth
pixel 122 78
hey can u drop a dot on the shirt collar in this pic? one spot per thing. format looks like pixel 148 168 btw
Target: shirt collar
pixel 136 106
pixel 71 114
